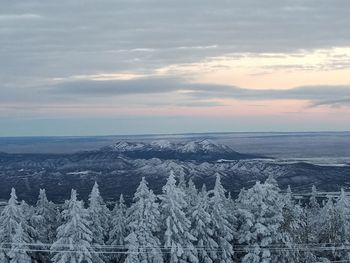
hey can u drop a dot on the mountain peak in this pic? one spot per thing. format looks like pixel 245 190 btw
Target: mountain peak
pixel 205 145
pixel 194 146
pixel 197 150
pixel 162 144
pixel 125 146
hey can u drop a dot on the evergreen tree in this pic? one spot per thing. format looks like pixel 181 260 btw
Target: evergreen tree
pixel 330 229
pixel 182 184
pixel 271 180
pixel 19 248
pixel 177 237
pixel 342 209
pixel 313 214
pixel 74 237
pixel 10 217
pixel 44 221
pixel 310 218
pixel 291 231
pixel 118 230
pixel 307 254
pixel 191 192
pixel 29 216
pixel 202 229
pixel 195 227
pixel 99 216
pixel 191 199
pixel 223 229
pixel 133 249
pixel 261 210
pixel 231 208
pixel 27 210
pixel 143 224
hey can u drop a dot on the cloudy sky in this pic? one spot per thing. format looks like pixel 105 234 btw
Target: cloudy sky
pixel 73 67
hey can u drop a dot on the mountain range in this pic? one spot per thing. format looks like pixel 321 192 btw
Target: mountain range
pixel 118 168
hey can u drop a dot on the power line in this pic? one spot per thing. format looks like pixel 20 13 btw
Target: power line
pixel 143 249
pixel 272 246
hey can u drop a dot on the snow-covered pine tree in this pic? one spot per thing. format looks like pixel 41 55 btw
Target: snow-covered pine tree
pixel 118 230
pixel 232 211
pixel 27 210
pixel 59 219
pixel 177 237
pixel 313 203
pixel 74 237
pixel 19 248
pixel 182 184
pixel 202 229
pixel 342 208
pixel 271 180
pixel 10 217
pixel 224 230
pixel 330 230
pixel 99 217
pixel 191 193
pixel 143 225
pixel 309 234
pixel 44 221
pixel 28 216
pixel 191 197
pixel 45 218
pixel 260 212
pixel 133 249
pixel 291 231
pixel 313 214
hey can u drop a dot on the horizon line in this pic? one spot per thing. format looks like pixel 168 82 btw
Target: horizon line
pixel 171 134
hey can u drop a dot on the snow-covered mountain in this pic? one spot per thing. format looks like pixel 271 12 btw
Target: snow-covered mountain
pixel 190 150
pixel 124 146
pixel 206 146
pixel 195 146
pixel 117 174
pixel 119 168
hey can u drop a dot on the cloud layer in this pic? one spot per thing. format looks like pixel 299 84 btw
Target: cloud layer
pixel 199 92
pixel 73 56
pixel 66 37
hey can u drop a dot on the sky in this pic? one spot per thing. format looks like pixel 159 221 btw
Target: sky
pixel 104 67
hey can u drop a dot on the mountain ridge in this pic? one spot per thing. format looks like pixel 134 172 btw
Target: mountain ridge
pixel 203 149
pixel 120 172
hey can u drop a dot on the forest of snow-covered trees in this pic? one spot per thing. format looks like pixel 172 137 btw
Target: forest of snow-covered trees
pixel 183 224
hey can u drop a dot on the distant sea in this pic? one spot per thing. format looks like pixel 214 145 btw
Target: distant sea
pixel 318 147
